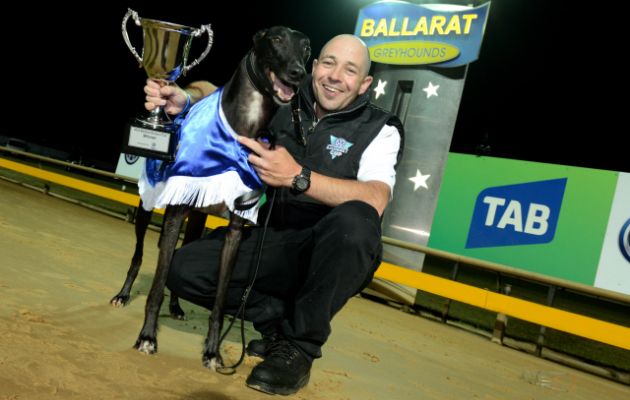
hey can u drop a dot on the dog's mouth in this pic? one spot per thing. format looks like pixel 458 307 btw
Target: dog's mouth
pixel 284 91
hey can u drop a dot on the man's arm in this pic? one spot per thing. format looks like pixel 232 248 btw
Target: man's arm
pixel 278 168
pixel 199 89
pixel 333 191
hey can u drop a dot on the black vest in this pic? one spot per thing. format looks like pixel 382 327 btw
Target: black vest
pixel 334 146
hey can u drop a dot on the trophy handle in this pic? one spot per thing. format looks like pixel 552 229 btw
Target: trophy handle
pixel 197 33
pixel 131 13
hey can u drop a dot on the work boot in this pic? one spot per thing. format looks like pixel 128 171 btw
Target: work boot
pixel 260 347
pixel 284 371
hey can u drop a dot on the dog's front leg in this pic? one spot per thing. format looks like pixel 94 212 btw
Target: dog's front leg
pixel 194 230
pixel 211 355
pixel 173 219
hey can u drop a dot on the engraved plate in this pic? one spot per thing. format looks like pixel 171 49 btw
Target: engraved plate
pixel 149 139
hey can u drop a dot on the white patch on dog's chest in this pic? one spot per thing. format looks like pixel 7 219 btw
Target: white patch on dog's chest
pixel 254 108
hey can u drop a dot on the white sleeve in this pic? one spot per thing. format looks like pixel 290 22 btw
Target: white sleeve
pixel 379 158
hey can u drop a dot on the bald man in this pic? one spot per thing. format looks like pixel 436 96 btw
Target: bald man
pixel 332 180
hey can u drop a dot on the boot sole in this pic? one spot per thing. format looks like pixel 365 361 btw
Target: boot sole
pixel 271 389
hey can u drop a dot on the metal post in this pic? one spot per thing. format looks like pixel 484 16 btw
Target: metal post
pixel 540 341
pixel 501 322
pixel 447 303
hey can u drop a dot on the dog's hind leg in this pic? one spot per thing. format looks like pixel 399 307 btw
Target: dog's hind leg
pixel 195 225
pixel 174 217
pixel 143 218
pixel 211 355
pixel 194 230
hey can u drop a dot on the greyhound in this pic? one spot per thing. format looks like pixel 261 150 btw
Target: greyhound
pixel 268 76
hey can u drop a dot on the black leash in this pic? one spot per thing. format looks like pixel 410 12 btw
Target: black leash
pixel 246 202
pixel 241 310
pixel 297 118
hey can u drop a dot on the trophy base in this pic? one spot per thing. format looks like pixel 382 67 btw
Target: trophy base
pixel 157 141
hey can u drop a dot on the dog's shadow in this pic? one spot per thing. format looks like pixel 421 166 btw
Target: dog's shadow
pixel 196 321
pixel 208 395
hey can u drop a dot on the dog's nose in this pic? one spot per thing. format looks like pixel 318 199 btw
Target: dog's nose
pixel 297 72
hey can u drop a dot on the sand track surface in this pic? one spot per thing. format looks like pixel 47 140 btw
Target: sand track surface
pixel 60 339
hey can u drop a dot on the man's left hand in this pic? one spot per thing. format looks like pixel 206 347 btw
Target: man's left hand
pixel 275 167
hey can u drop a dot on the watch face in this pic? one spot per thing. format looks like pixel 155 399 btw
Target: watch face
pixel 301 183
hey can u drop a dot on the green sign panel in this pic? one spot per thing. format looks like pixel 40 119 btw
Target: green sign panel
pixel 544 218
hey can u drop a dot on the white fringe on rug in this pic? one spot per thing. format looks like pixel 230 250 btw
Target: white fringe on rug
pixel 149 194
pixel 204 192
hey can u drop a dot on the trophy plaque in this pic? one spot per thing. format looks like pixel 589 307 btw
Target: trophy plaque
pixel 164 57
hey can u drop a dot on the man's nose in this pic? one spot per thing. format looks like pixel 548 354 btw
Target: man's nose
pixel 335 73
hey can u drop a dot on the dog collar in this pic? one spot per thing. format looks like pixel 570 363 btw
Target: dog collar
pixel 255 78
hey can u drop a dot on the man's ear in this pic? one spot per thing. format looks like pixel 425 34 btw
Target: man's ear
pixel 365 85
pixel 314 65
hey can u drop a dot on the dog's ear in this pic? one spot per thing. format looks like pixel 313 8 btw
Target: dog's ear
pixel 259 35
pixel 307 50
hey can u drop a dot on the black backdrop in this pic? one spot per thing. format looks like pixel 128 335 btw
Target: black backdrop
pixel 546 87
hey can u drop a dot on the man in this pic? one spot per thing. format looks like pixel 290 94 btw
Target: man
pixel 323 243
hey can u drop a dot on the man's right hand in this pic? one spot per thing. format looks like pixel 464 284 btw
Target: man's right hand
pixel 158 93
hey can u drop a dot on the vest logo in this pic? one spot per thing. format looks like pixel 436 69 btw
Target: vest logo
pixel 338 146
pixel 624 240
pixel 513 215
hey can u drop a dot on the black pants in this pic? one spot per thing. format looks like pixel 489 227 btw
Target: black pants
pixel 305 275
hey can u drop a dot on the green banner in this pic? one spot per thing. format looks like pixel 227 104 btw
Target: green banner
pixel 544 218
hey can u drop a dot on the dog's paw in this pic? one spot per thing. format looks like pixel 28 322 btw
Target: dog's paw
pixel 119 300
pixel 146 346
pixel 177 312
pixel 215 364
pixel 212 362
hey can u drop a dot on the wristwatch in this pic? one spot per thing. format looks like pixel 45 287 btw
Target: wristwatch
pixel 302 182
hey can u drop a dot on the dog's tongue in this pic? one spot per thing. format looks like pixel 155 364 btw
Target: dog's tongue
pixel 284 92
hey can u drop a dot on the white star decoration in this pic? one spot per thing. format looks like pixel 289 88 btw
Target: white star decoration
pixel 431 90
pixel 380 88
pixel 419 180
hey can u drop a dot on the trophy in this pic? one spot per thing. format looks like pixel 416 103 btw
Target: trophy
pixel 164 57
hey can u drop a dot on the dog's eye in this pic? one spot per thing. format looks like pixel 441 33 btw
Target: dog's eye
pixel 276 39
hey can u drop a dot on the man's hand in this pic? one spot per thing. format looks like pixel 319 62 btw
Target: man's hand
pixel 158 93
pixel 278 168
pixel 275 167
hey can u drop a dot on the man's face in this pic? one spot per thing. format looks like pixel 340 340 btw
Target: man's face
pixel 340 75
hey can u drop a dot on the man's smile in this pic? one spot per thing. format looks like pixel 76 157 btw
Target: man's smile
pixel 331 89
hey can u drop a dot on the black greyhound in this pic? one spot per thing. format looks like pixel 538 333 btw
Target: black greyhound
pixel 267 76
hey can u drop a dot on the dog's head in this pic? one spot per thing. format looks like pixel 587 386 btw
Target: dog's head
pixel 281 53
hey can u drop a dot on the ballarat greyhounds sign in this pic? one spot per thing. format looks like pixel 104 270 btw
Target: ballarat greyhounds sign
pixel 409 34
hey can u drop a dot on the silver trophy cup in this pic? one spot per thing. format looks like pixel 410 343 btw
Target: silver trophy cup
pixel 164 58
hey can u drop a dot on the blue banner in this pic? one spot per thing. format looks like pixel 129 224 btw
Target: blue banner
pixel 410 34
pixel 514 215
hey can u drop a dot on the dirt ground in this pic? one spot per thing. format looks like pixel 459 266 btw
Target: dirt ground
pixel 59 338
